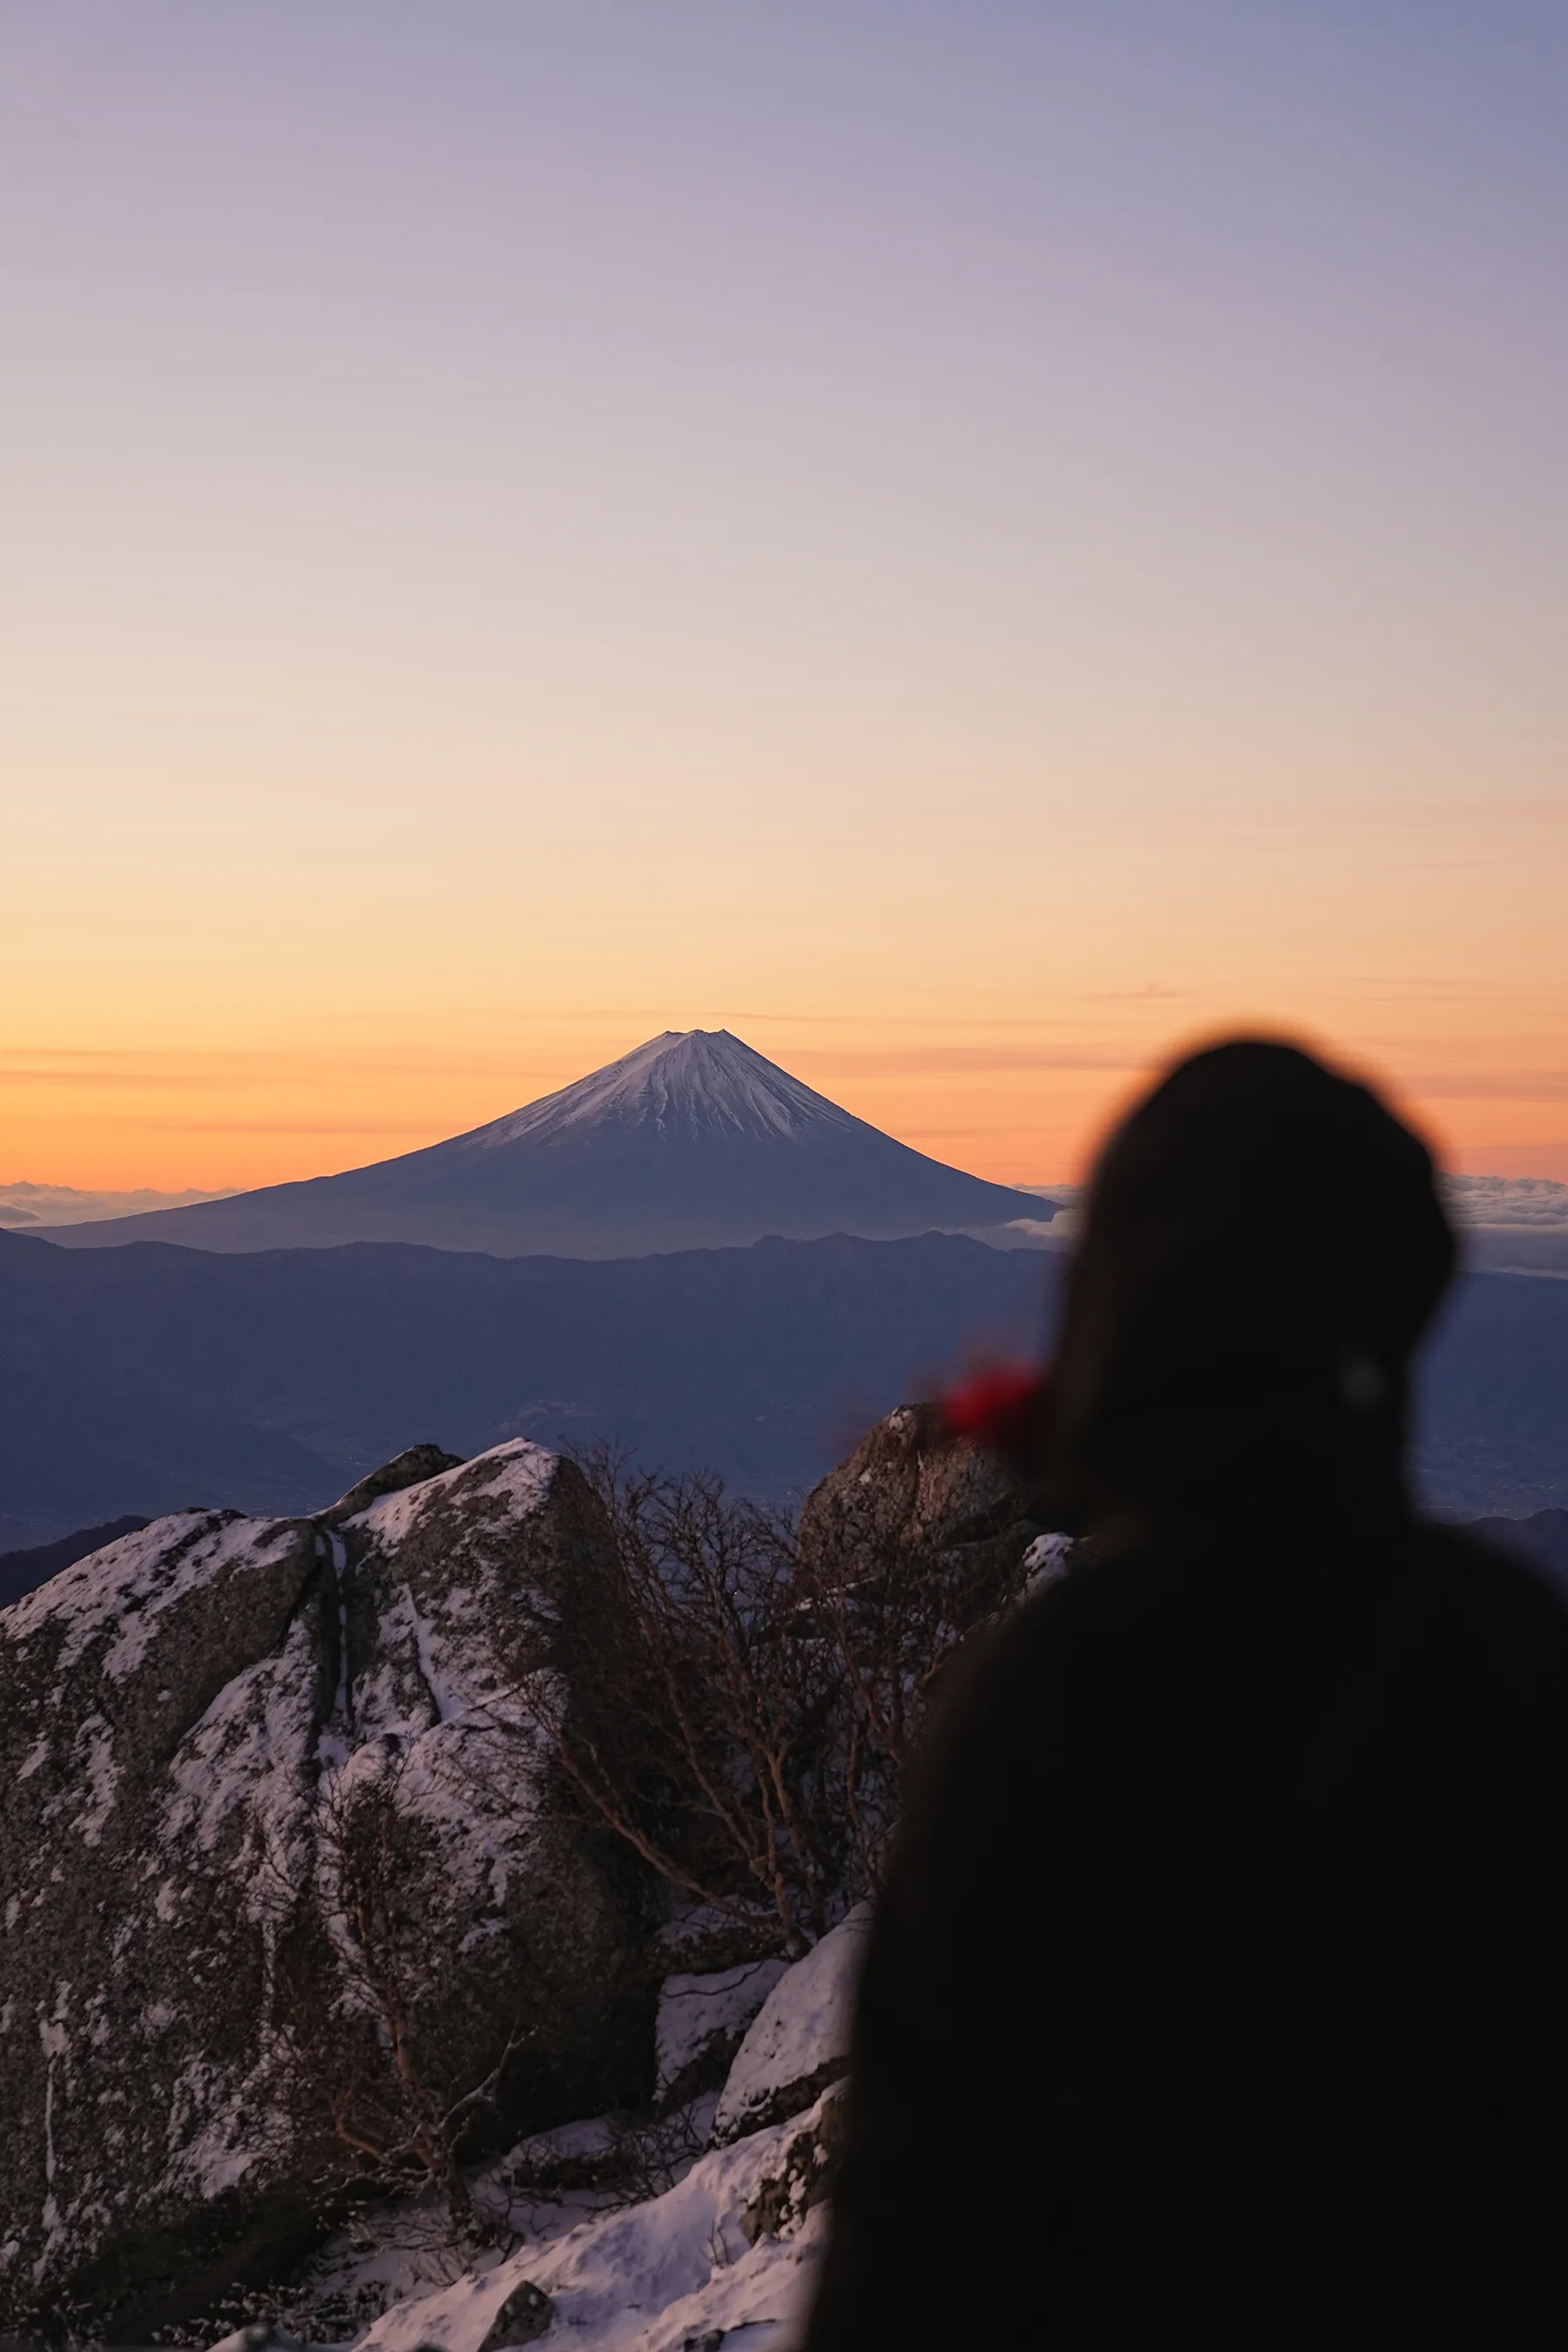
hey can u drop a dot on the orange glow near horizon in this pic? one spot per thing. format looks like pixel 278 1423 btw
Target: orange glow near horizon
pixel 1018 1112
pixel 1021 1097
pixel 232 1127
pixel 992 1007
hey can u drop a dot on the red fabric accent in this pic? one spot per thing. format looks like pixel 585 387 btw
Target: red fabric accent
pixel 1001 1408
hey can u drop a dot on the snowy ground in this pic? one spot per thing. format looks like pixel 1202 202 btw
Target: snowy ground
pixel 729 2248
pixel 696 2245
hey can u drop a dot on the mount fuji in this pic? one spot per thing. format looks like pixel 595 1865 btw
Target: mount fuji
pixel 693 1141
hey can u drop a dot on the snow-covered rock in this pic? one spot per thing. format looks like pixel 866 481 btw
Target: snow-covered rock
pixel 263 1785
pixel 730 2248
pixel 799 2041
pixel 409 1468
pixel 131 1958
pixel 1047 1558
pixel 728 2251
pixel 702 2020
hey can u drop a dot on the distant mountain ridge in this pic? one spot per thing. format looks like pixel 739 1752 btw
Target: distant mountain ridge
pixel 148 1378
pixel 692 1141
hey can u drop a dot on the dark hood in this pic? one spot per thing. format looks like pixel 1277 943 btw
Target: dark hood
pixel 1262 1247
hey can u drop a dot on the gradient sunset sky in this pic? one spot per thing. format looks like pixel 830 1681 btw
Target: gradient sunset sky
pixel 971 544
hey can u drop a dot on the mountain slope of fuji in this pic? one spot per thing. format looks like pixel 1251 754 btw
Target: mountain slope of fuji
pixel 693 1141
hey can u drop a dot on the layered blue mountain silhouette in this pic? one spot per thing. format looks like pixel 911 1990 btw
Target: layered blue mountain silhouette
pixel 693 1141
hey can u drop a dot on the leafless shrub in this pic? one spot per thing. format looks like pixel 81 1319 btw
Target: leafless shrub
pixel 648 2154
pixel 695 1729
pixel 745 1722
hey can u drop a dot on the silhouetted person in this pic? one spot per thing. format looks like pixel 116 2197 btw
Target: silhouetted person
pixel 1217 1992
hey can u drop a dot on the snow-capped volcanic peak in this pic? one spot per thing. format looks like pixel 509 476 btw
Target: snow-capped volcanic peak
pixel 693 1141
pixel 687 1082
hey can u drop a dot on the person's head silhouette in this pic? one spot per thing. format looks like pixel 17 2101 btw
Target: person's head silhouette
pixel 1262 1247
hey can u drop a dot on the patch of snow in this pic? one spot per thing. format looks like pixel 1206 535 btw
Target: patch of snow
pixel 518 1474
pixel 247 1750
pixel 445 1705
pixel 1047 1557
pixel 653 2277
pixel 756 2304
pixel 54 2041
pixel 211 2133
pixel 125 1590
pixel 339 1555
pixel 95 1746
pixel 694 2012
pixel 93 1592
pixel 378 1709
pixel 801 2032
pixel 447 1775
pixel 687 1081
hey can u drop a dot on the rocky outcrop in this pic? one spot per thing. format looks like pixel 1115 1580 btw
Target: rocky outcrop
pixel 799 2041
pixel 914 1498
pixel 133 1972
pixel 284 1866
pixel 701 2023
pixel 409 1468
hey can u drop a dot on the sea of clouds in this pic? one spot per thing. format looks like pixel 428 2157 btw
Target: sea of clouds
pixel 22 1204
